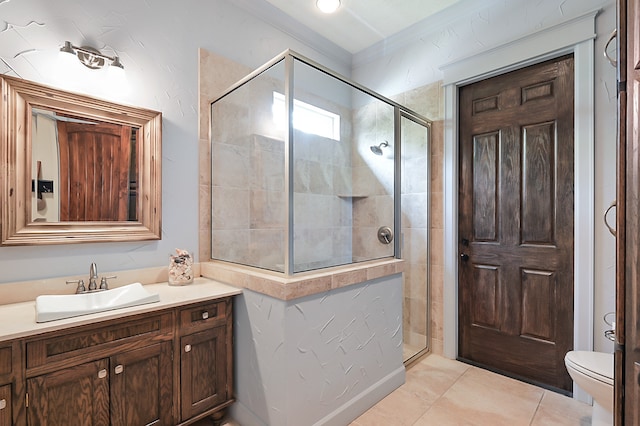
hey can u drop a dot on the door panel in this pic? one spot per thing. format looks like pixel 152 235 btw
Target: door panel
pixel 485 186
pixel 94 171
pixel 141 387
pixel 76 396
pixel 538 172
pixel 486 292
pixel 516 223
pixel 203 376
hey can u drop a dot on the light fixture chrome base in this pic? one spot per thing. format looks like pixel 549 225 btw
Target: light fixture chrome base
pixel 90 57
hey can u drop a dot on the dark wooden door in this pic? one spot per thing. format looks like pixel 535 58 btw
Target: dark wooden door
pixel 94 171
pixel 76 396
pixel 142 386
pixel 203 371
pixel 516 223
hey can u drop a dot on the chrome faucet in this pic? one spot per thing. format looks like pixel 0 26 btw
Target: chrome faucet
pixel 93 276
pixel 93 281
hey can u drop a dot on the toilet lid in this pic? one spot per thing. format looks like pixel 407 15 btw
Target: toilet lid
pixel 598 365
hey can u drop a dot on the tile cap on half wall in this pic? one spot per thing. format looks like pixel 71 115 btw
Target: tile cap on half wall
pixel 304 284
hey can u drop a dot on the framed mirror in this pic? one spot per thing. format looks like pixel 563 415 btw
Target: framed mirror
pixel 76 169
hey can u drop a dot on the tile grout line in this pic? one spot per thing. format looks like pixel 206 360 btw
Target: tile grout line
pixel 537 408
pixel 443 393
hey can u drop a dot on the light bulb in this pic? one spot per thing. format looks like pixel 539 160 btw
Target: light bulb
pixel 328 6
pixel 117 80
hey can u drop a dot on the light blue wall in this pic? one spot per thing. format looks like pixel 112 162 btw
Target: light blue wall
pixel 320 359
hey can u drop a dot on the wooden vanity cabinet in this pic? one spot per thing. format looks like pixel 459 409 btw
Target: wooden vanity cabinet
pixel 132 388
pixel 115 373
pixel 205 336
pixel 168 367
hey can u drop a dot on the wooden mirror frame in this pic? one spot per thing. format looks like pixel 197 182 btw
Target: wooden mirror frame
pixel 17 98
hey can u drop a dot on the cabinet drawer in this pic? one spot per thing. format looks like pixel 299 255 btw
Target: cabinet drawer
pixel 203 316
pixel 91 342
pixel 6 358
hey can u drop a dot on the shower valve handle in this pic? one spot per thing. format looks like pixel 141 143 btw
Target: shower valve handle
pixel 385 235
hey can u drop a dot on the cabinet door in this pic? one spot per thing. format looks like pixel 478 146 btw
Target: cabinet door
pixel 203 377
pixel 141 386
pixel 5 405
pixel 76 396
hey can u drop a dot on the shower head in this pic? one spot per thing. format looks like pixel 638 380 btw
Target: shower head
pixel 377 149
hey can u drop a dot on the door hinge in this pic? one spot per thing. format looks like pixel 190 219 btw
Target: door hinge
pixel 622 86
pixel 26 400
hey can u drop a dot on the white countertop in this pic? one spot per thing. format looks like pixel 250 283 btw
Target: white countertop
pixel 18 320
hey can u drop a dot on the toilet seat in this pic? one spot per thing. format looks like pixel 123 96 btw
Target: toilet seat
pixel 597 365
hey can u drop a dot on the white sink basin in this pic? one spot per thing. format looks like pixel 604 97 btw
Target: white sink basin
pixel 54 307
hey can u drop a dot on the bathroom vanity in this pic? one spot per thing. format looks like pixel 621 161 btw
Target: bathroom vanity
pixel 163 363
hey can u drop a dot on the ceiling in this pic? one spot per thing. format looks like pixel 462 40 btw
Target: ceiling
pixel 359 24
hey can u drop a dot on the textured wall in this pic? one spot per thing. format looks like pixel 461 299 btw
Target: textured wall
pixel 320 359
pixel 158 43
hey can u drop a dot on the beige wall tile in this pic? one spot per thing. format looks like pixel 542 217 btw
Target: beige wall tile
pixel 349 277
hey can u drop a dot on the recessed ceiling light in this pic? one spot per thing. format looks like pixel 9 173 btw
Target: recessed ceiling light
pixel 328 6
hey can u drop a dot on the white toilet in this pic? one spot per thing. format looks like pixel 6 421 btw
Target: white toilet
pixel 593 372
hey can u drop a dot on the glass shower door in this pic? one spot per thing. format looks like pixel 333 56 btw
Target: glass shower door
pixel 415 207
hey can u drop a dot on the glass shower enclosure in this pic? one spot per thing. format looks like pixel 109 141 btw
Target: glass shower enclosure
pixel 309 171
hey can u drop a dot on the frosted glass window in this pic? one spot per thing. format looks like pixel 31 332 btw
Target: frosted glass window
pixel 307 118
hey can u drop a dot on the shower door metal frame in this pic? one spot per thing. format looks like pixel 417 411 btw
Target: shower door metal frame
pixel 417 119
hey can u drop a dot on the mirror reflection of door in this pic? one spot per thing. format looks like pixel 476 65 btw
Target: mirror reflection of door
pixel 97 168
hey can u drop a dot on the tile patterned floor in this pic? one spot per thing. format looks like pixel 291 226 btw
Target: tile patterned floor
pixel 443 392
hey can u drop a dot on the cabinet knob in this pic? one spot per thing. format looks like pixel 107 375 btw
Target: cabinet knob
pixel 187 348
pixel 119 369
pixel 205 315
pixel 102 374
pixel 3 404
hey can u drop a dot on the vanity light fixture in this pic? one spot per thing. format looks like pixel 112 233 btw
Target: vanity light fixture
pixel 328 6
pixel 91 57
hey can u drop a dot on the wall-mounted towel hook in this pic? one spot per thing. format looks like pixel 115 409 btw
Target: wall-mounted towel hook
pixel 606 212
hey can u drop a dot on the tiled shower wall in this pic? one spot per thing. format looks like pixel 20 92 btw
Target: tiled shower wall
pixel 322 213
pixel 372 180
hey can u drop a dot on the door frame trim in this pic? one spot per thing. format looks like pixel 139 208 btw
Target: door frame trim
pixel 574 36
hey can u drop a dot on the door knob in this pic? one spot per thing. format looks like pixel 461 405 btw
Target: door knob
pixel 464 257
